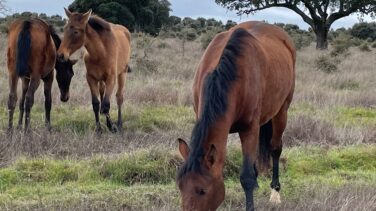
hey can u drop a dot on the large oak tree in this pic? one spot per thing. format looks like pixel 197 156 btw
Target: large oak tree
pixel 319 14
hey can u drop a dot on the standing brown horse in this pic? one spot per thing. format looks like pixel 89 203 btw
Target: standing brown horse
pixel 244 84
pixel 32 46
pixel 106 59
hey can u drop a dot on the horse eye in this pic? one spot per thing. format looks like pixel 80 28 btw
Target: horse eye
pixel 201 192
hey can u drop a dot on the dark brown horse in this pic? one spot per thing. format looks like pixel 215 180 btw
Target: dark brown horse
pixel 244 84
pixel 107 57
pixel 32 46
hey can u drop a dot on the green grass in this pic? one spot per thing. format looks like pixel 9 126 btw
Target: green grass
pixel 142 178
pixel 80 119
pixel 339 116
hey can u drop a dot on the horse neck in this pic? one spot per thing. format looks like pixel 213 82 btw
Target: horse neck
pixel 217 135
pixel 94 44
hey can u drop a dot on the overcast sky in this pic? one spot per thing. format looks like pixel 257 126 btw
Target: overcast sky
pixel 186 8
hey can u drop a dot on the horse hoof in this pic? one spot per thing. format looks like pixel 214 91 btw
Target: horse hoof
pixel 114 129
pixel 9 132
pixel 98 130
pixel 275 198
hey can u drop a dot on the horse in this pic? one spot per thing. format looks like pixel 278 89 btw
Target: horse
pixel 106 59
pixel 31 56
pixel 244 84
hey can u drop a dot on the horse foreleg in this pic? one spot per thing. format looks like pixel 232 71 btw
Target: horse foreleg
pixel 12 100
pixel 94 89
pixel 48 99
pixel 120 98
pixel 102 88
pixel 248 177
pixel 25 86
pixel 110 84
pixel 29 100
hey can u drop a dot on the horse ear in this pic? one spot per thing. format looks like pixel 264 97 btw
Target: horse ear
pixel 67 12
pixel 87 15
pixel 73 61
pixel 183 148
pixel 211 156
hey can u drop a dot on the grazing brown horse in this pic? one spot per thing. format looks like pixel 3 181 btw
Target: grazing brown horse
pixel 106 59
pixel 244 84
pixel 32 46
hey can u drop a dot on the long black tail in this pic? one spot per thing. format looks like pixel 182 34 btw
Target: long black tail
pixel 23 49
pixel 265 137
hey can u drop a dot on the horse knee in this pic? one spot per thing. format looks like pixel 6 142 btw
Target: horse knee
pixel 248 178
pixel 119 98
pixel 29 101
pixel 106 106
pixel 96 104
pixel 12 101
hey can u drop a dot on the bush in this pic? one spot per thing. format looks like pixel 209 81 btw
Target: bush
pixel 208 37
pixel 364 47
pixel 323 63
pixel 373 45
pixel 341 45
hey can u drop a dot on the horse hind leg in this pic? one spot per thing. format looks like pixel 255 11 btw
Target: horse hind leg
pixel 25 86
pixel 12 100
pixel 120 99
pixel 29 100
pixel 48 99
pixel 279 124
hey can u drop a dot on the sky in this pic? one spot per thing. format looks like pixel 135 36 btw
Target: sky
pixel 188 8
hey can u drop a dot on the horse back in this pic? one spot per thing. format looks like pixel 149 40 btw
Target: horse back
pixel 264 69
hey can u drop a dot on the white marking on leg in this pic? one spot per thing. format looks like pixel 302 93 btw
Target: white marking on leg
pixel 275 198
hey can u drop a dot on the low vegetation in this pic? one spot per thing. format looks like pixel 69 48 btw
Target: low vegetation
pixel 145 179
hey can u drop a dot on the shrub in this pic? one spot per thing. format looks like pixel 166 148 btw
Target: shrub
pixel 341 45
pixel 323 63
pixel 373 45
pixel 364 47
pixel 208 37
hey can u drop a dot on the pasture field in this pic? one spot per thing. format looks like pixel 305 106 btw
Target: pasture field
pixel 328 162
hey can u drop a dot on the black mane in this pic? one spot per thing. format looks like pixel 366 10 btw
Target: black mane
pixel 55 36
pixel 98 24
pixel 217 85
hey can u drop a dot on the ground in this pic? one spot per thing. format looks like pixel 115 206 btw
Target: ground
pixel 328 162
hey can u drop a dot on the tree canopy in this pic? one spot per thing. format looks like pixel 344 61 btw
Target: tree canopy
pixel 319 14
pixel 142 15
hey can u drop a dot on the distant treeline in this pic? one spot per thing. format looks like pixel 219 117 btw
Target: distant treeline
pixel 55 20
pixel 191 29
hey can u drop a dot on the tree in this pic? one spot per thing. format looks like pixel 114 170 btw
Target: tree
pixel 364 31
pixel 319 14
pixel 141 15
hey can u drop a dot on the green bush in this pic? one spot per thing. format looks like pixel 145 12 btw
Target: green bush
pixel 373 45
pixel 364 47
pixel 208 37
pixel 323 63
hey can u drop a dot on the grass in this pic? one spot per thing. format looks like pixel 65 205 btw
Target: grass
pixel 140 179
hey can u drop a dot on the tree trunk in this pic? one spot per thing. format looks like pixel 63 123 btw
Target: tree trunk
pixel 321 31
